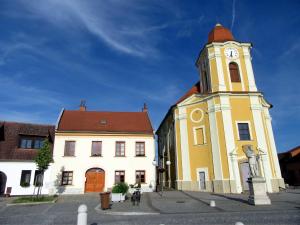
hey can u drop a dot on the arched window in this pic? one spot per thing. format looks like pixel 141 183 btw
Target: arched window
pixel 205 82
pixel 234 72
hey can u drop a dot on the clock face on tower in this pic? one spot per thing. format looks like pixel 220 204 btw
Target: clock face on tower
pixel 231 53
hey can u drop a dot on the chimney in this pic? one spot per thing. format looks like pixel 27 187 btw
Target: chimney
pixel 82 106
pixel 145 108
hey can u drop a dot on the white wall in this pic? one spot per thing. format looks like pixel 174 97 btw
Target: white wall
pixel 108 162
pixel 13 171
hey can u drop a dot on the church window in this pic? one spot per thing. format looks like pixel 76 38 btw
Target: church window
pixel 200 138
pixel 244 131
pixel 199 135
pixel 205 83
pixel 234 72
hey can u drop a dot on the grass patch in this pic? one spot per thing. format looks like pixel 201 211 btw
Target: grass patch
pixel 34 199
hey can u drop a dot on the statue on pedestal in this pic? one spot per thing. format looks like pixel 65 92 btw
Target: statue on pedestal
pixel 257 184
pixel 252 159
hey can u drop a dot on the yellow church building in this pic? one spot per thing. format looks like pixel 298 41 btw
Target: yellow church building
pixel 201 138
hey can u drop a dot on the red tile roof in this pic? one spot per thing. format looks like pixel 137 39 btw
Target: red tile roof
pixel 194 90
pixel 10 137
pixel 93 121
pixel 220 34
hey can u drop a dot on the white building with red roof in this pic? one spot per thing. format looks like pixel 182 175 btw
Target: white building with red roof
pixel 94 150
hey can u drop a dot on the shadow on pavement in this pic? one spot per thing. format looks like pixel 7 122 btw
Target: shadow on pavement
pixel 231 198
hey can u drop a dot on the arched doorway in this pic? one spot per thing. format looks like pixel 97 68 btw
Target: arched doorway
pixel 3 179
pixel 95 180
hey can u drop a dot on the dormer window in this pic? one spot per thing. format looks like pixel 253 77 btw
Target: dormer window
pixel 31 142
pixel 103 122
pixel 234 72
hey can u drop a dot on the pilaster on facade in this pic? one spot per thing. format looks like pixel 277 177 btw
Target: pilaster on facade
pixel 185 156
pixel 217 164
pixel 272 143
pixel 220 86
pixel 234 173
pixel 247 58
pixel 261 139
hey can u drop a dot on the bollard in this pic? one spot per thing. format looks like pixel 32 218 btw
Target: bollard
pixel 82 215
pixel 238 223
pixel 212 203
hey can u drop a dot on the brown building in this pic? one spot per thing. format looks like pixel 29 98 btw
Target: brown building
pixel 290 166
pixel 19 144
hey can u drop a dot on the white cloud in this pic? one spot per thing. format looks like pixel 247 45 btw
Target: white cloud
pixel 105 19
pixel 233 15
pixel 124 26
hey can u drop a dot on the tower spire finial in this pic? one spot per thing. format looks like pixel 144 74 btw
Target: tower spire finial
pixel 82 106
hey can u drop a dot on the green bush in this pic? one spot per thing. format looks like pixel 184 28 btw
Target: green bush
pixel 24 184
pixel 120 188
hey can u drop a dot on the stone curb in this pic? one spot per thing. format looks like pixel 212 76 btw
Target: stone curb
pixel 32 203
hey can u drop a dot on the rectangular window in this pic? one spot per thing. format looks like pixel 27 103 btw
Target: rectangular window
pixel 140 148
pixel 67 178
pixel 69 148
pixel 25 178
pixel 120 148
pixel 199 136
pixel 119 176
pixel 38 143
pixel 31 142
pixel 38 178
pixel 244 132
pixel 140 176
pixel 96 148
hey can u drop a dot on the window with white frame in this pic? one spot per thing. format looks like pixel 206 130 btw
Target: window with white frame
pixel 25 178
pixel 244 131
pixel 199 135
pixel 140 148
pixel 96 148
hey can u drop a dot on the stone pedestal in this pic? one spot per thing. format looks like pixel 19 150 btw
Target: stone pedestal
pixel 258 193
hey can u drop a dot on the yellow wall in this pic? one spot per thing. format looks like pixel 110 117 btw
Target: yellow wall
pixel 200 155
pixel 241 111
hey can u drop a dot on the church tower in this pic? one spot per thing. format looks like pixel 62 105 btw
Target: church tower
pixel 213 122
pixel 225 64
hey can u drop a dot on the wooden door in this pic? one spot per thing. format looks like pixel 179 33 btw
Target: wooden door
pixel 94 181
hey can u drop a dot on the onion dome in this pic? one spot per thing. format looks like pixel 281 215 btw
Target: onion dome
pixel 220 34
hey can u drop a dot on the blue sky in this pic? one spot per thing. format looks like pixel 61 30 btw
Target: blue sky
pixel 119 54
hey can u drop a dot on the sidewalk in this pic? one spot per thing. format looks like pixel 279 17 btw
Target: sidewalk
pixel 174 202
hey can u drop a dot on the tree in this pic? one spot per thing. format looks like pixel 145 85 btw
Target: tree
pixel 42 160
